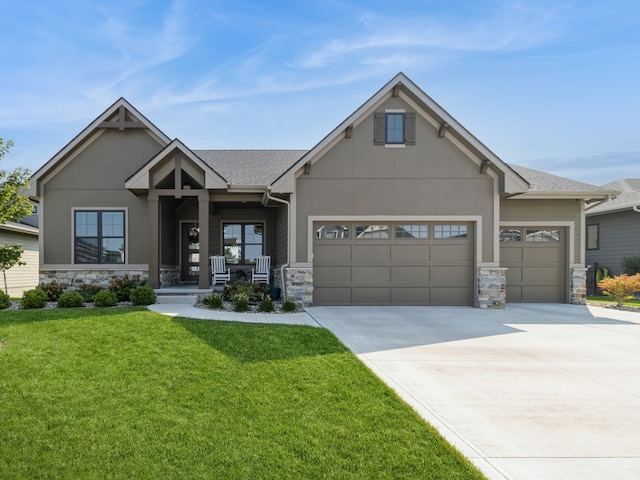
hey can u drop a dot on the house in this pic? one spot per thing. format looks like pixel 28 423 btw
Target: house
pixel 398 205
pixel 25 233
pixel 613 228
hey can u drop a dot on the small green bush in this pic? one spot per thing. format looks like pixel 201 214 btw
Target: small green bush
pixel 33 299
pixel 105 298
pixel 288 306
pixel 70 300
pixel 123 287
pixel 213 301
pixel 631 265
pixel 88 291
pixel 265 305
pixel 143 295
pixel 240 304
pixel 53 290
pixel 5 300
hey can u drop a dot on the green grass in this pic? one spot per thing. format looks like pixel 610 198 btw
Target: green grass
pixel 634 302
pixel 126 393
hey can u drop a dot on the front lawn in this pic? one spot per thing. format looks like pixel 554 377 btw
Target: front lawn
pixel 607 299
pixel 127 393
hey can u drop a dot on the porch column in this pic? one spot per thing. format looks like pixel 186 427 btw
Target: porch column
pixel 204 280
pixel 153 241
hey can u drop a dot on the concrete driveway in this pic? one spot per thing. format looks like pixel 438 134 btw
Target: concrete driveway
pixel 536 391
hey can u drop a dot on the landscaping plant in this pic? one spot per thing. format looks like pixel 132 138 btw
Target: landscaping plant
pixel 35 298
pixel 88 291
pixel 265 306
pixel 213 301
pixel 5 300
pixel 70 300
pixel 288 306
pixel 622 287
pixel 143 295
pixel 53 290
pixel 123 287
pixel 105 298
pixel 631 265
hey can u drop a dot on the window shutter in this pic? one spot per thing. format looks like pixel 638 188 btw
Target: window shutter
pixel 410 128
pixel 379 128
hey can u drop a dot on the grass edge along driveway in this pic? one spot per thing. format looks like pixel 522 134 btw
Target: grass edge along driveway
pixel 127 393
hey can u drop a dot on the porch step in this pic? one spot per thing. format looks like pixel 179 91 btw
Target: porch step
pixel 177 299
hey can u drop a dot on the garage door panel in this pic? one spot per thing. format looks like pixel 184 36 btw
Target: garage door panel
pixel 543 293
pixel 543 255
pixel 511 255
pixel 332 296
pixel 372 295
pixel 410 275
pixel 332 275
pixel 451 295
pixel 411 254
pixel 447 253
pixel 514 275
pixel 371 275
pixel 371 253
pixel 540 275
pixel 514 293
pixel 411 296
pixel 450 273
pixel 334 253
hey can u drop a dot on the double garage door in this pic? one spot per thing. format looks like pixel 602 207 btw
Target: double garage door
pixel 535 258
pixel 393 263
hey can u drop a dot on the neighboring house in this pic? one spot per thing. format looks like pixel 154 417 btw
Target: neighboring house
pixel 399 204
pixel 613 228
pixel 21 277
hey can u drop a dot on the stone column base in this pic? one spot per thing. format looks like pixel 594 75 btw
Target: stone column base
pixel 298 284
pixel 492 285
pixel 578 286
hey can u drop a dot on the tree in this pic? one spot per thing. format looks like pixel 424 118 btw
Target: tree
pixel 9 256
pixel 13 206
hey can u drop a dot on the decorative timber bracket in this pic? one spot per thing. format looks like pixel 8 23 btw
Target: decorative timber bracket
pixel 121 123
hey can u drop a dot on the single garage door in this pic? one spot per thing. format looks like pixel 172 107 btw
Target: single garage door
pixel 393 263
pixel 536 263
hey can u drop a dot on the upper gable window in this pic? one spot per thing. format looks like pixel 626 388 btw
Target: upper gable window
pixel 394 128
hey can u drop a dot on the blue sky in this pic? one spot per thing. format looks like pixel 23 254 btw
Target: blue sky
pixel 551 85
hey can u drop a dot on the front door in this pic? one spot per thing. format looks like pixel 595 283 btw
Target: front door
pixel 190 252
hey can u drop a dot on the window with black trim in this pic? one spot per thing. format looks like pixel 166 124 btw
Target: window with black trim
pixel 243 242
pixel 99 236
pixel 593 237
pixel 394 128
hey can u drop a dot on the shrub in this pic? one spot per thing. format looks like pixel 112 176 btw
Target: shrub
pixel 631 265
pixel 601 274
pixel 288 306
pixel 213 301
pixel 621 287
pixel 70 300
pixel 5 300
pixel 105 298
pixel 143 295
pixel 33 299
pixel 123 287
pixel 255 292
pixel 88 291
pixel 52 290
pixel 265 305
pixel 240 303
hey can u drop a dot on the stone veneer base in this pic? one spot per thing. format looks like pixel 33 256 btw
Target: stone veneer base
pixel 101 278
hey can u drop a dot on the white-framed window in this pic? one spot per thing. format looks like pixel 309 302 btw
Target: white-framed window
pixel 394 128
pixel 412 230
pixel 99 236
pixel 450 231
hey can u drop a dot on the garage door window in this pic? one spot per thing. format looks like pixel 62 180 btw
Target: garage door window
pixel 332 231
pixel 450 231
pixel 415 230
pixel 372 231
pixel 542 236
pixel 510 235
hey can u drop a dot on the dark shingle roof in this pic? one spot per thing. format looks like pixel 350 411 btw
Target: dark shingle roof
pixel 546 182
pixel 627 199
pixel 250 167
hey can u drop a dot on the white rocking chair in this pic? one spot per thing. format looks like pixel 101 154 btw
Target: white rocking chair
pixel 219 272
pixel 260 274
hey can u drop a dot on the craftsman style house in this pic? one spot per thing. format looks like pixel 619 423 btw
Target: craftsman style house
pixel 399 204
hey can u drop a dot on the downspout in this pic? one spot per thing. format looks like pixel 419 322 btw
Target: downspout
pixel 284 265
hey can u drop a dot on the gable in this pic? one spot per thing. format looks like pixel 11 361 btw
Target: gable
pixel 120 124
